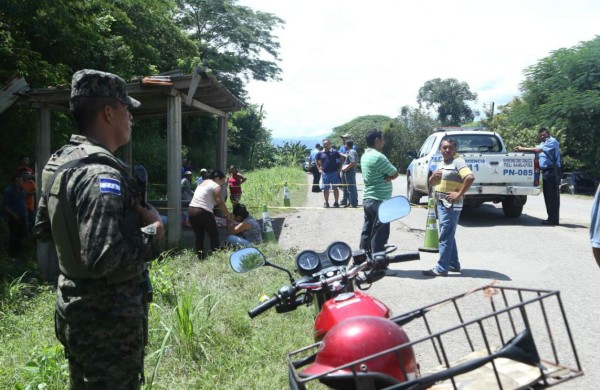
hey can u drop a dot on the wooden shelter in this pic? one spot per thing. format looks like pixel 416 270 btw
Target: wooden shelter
pixel 172 95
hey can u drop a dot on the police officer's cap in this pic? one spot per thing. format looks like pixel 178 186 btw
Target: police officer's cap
pixel 94 83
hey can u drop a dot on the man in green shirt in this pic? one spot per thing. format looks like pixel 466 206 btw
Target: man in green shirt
pixel 378 174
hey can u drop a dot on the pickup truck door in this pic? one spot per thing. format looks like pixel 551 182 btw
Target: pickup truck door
pixel 422 164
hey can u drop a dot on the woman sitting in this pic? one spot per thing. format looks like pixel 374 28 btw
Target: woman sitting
pixel 246 231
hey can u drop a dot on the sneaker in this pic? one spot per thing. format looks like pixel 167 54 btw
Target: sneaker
pixel 326 205
pixel 343 203
pixel 454 269
pixel 434 272
pixel 336 205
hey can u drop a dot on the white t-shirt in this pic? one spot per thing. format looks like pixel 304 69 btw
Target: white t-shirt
pixel 204 196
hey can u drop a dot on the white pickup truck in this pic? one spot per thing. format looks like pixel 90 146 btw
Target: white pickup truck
pixel 499 176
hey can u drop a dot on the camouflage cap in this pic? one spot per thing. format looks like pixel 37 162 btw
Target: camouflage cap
pixel 94 83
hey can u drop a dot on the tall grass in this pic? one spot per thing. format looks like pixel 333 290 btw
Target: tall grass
pixel 265 187
pixel 200 336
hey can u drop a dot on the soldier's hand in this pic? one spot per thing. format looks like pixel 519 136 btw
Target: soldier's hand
pixel 151 216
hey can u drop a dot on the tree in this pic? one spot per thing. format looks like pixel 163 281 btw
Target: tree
pixel 562 92
pixel 418 123
pixel 358 128
pixel 245 132
pixel 448 98
pixel 397 144
pixel 47 41
pixel 232 40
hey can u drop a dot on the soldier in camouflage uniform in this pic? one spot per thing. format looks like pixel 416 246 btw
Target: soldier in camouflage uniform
pixel 91 209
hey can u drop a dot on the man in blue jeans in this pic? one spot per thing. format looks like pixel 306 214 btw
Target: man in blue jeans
pixel 349 176
pixel 378 173
pixel 329 162
pixel 452 179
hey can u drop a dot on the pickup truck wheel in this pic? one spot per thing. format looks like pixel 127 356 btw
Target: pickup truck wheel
pixel 511 208
pixel 413 195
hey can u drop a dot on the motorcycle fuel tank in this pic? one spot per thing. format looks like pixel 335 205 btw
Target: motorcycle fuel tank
pixel 347 305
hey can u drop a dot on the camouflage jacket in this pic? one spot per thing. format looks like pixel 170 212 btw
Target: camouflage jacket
pixel 101 234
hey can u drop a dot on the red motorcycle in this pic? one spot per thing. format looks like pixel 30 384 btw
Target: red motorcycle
pixel 328 281
pixel 491 337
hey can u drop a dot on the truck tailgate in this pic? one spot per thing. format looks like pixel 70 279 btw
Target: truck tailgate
pixel 510 169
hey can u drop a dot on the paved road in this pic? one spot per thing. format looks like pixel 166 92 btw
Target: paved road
pixel 515 252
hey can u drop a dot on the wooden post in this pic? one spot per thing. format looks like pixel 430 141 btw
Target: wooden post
pixel 42 149
pixel 222 144
pixel 173 170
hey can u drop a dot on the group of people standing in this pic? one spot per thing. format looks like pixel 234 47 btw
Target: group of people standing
pixel 242 229
pixel 333 168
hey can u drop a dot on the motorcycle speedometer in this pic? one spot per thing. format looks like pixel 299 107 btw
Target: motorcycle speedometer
pixel 339 253
pixel 307 261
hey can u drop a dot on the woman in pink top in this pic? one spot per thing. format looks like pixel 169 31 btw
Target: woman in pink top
pixel 235 184
pixel 202 219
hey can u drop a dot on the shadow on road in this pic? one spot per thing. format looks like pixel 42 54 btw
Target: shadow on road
pixel 488 215
pixel 466 273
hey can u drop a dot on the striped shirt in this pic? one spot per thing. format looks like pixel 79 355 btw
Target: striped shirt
pixel 375 167
pixel 453 174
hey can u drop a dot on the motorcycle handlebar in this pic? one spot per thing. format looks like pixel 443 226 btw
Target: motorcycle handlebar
pixel 348 274
pixel 274 300
pixel 399 258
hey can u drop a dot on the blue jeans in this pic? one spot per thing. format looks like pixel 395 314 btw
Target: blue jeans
pixel 237 241
pixel 374 234
pixel 350 178
pixel 448 221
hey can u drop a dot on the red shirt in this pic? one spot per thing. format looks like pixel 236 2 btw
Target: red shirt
pixel 235 185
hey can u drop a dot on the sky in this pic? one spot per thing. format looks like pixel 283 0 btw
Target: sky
pixel 341 59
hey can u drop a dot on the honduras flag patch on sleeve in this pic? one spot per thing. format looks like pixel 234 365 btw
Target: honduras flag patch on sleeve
pixel 110 186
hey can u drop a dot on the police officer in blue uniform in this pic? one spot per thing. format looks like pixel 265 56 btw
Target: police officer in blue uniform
pixel 550 165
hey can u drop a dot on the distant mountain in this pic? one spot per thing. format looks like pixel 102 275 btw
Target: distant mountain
pixel 309 142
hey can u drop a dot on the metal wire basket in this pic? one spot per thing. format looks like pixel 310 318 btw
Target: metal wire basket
pixel 492 337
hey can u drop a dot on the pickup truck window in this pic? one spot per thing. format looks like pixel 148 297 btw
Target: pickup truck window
pixel 426 148
pixel 475 143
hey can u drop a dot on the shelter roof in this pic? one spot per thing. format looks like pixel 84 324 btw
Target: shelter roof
pixel 200 93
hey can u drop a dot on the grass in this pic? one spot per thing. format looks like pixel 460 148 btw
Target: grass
pixel 200 335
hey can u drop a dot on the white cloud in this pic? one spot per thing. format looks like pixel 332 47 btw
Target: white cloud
pixel 342 59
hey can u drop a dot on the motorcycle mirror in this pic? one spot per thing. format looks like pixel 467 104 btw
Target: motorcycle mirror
pixel 246 259
pixel 393 209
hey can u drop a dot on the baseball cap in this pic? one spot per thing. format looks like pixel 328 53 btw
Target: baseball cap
pixel 203 170
pixel 346 135
pixel 95 83
pixel 187 173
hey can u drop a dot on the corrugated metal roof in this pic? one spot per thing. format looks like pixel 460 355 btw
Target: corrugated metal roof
pixel 7 95
pixel 153 95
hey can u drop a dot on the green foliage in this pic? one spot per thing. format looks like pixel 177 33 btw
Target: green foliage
pixel 233 40
pixel 248 141
pixel 13 292
pixel 358 128
pixel 162 276
pixel 562 93
pixel 290 154
pixel 185 313
pixel 130 38
pixel 47 369
pixel 397 144
pixel 265 186
pixel 448 98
